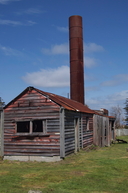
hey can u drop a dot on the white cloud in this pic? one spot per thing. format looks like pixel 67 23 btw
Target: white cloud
pixel 116 80
pixel 118 97
pixel 10 22
pixel 92 88
pixel 49 77
pixel 57 49
pixel 33 11
pixel 108 101
pixel 89 62
pixel 10 52
pixel 92 47
pixel 16 23
pixel 30 23
pixel 63 29
pixel 6 1
pixel 64 49
pixel 30 11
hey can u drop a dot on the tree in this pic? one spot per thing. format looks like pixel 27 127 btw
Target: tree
pixel 116 111
pixel 126 111
pixel 2 103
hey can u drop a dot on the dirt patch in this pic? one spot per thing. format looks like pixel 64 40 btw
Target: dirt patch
pixel 90 148
pixel 30 175
pixel 77 173
pixel 4 173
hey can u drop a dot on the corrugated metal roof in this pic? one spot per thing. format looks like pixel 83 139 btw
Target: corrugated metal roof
pixel 67 103
pixel 61 101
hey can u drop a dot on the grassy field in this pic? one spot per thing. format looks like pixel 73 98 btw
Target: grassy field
pixel 98 171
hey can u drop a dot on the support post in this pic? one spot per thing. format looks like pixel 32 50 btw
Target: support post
pixel 82 131
pixel 94 130
pixel 62 134
pixel 108 132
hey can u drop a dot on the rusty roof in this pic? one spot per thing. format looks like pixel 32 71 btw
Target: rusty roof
pixel 61 101
pixel 67 103
pixel 64 102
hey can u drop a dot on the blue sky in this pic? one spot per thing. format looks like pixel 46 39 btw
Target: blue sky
pixel 34 50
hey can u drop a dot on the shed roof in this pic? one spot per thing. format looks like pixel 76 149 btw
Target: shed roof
pixel 68 104
pixel 64 102
pixel 61 101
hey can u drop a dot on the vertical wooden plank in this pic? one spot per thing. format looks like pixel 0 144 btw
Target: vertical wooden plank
pixel 110 130
pixel 30 126
pixel 2 134
pixel 78 134
pixel 94 129
pixel 107 132
pixel 62 134
pixel 82 130
pixel 97 130
pixel 45 126
pixel 114 134
pixel 101 131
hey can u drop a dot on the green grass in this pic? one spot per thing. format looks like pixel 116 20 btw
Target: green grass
pixel 123 137
pixel 98 171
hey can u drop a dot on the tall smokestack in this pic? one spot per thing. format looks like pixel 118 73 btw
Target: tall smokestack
pixel 76 59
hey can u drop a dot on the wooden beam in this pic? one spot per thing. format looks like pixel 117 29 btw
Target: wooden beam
pixel 82 130
pixel 62 134
pixel 94 129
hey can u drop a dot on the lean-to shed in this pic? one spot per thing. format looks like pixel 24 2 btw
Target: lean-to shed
pixel 40 124
pixel 103 130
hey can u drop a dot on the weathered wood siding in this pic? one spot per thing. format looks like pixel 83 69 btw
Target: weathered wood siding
pixel 87 134
pixel 112 130
pixel 71 119
pixel 101 132
pixel 31 106
pixel 1 133
pixel 76 138
pixel 97 130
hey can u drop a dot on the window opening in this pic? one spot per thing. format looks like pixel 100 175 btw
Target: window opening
pixel 37 126
pixel 105 133
pixel 23 127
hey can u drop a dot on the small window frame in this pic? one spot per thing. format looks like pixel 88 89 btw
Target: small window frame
pixel 31 123
pixel 20 125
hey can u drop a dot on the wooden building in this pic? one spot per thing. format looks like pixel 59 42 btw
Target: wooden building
pixel 104 130
pixel 38 123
